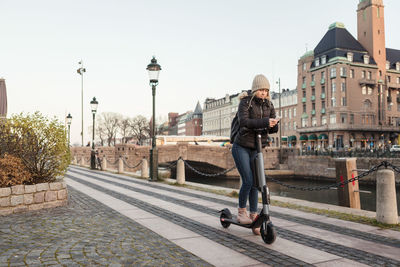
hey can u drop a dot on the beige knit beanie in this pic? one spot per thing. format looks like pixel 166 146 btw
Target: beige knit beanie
pixel 260 82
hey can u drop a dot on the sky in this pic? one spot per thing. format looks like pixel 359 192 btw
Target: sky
pixel 206 48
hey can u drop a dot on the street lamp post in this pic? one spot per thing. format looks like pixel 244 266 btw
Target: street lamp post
pixel 280 123
pixel 69 120
pixel 81 71
pixel 154 70
pixel 93 105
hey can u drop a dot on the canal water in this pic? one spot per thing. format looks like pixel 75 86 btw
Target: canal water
pixel 367 194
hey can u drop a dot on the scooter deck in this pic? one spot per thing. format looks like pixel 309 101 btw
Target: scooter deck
pixel 234 221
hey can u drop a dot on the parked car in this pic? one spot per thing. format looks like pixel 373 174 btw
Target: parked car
pixel 395 148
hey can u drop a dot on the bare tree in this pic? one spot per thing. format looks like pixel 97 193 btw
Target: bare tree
pixel 140 128
pixel 125 129
pixel 108 123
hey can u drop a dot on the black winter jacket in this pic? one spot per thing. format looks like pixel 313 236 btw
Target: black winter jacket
pixel 254 113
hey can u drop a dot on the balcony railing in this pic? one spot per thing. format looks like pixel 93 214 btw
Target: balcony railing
pixel 323 111
pixel 312 84
pixel 304 100
pixel 304 86
pixel 322 81
pixel 323 96
pixel 313 112
pixel 366 82
pixel 313 98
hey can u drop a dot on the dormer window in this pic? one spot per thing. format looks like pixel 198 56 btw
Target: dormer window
pixel 398 66
pixel 317 62
pixel 323 60
pixel 350 57
pixel 387 65
pixel 366 59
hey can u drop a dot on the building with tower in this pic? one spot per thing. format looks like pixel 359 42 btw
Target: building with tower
pixel 349 89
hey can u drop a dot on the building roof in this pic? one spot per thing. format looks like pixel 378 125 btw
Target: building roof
pixel 337 42
pixel 338 37
pixel 198 110
pixel 393 56
pixel 3 98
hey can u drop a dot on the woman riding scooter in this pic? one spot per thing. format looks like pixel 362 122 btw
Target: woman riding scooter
pixel 255 112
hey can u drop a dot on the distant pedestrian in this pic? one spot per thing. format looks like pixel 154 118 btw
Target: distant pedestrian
pixel 255 112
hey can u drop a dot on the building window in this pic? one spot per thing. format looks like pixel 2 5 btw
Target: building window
pixel 290 113
pixel 343 72
pixel 351 118
pixel 304 79
pixel 380 73
pixel 304 93
pixel 304 66
pixel 333 101
pixel 369 90
pixel 285 116
pixel 314 121
pixel 343 118
pixel 333 72
pixel 294 125
pixel 317 62
pixel 304 122
pixel 294 112
pixel 304 108
pixel 398 79
pixel 350 57
pixel 398 66
pixel 367 104
pixel 313 91
pixel 332 118
pixel 313 106
pixel 323 89
pixel 387 65
pixel 343 87
pixel 366 59
pixel 333 87
pixel 344 102
pixel 388 79
pixel 323 104
pixel 322 75
pixel 323 120
pixel 323 59
pixel 351 73
pixel 363 74
pixel 313 78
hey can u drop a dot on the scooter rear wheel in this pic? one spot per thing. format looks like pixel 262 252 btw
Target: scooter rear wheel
pixel 268 233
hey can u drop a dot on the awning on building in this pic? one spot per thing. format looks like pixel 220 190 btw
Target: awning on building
pixel 303 137
pixel 292 138
pixel 323 137
pixel 284 138
pixel 312 137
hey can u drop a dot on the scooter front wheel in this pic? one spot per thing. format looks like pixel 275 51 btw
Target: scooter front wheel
pixel 225 214
pixel 268 233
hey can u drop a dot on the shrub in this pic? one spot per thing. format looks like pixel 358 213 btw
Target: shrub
pixel 39 142
pixel 13 172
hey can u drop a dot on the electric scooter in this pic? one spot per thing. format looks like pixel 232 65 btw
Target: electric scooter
pixel 262 220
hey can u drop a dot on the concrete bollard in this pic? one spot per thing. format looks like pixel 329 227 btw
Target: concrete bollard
pixel 180 172
pixel 104 163
pixel 83 161
pixel 386 204
pixel 348 195
pixel 120 165
pixel 145 168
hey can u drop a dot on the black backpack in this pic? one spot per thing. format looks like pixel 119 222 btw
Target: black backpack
pixel 234 128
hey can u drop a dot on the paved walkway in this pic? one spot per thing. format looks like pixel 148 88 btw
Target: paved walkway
pixel 115 220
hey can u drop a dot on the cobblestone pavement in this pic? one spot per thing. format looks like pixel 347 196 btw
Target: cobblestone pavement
pixel 85 233
pixel 351 253
pixel 88 232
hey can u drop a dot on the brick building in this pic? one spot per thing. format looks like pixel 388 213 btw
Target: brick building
pixel 348 89
pixel 288 107
pixel 194 122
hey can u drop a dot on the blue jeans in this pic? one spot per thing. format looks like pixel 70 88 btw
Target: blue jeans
pixel 243 158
